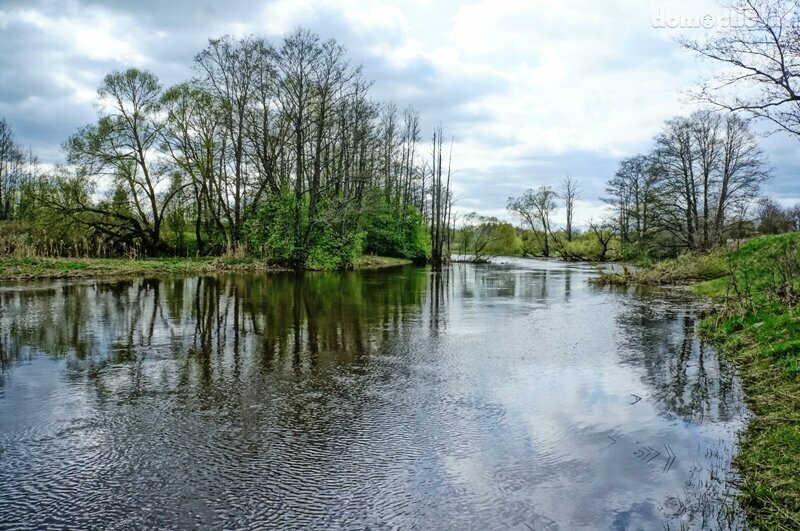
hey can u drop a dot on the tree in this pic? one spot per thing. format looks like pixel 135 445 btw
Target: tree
pixel 794 216
pixel 762 63
pixel 633 194
pixel 569 193
pixel 190 137
pixel 771 218
pixel 227 69
pixel 604 233
pixel 441 200
pixel 122 146
pixel 535 208
pixel 480 235
pixel 12 159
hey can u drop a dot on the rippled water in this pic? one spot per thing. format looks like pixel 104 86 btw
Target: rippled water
pixel 504 396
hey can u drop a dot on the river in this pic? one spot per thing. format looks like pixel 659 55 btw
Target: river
pixel 514 395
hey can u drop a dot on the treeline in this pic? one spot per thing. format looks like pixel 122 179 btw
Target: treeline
pixel 698 187
pixel 18 166
pixel 694 190
pixel 546 229
pixel 272 149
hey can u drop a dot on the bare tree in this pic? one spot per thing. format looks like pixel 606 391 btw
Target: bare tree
pixel 11 159
pixel 707 164
pixel 794 216
pixel 771 218
pixel 762 58
pixel 633 194
pixel 569 193
pixel 227 70
pixel 604 233
pixel 441 200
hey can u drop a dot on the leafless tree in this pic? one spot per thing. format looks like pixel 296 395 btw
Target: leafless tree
pixel 760 53
pixel 441 200
pixel 604 233
pixel 569 193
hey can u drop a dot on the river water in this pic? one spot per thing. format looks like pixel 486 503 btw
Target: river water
pixel 514 395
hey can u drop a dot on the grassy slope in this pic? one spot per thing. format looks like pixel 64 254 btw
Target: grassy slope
pixel 761 334
pixel 53 268
pixel 759 329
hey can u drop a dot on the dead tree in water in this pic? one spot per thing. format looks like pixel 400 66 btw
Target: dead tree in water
pixel 441 201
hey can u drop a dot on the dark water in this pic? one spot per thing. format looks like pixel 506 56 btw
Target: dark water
pixel 505 396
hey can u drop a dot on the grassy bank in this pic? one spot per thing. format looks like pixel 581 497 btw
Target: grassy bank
pixel 758 327
pixel 60 268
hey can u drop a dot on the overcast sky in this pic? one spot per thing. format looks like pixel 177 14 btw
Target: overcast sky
pixel 531 90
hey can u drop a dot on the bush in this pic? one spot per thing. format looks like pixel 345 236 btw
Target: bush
pixel 281 233
pixel 392 229
pixel 275 231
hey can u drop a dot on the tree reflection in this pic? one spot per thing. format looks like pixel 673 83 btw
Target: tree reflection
pixel 203 331
pixel 687 379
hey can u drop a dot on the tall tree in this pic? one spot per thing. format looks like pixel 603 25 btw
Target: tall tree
pixel 569 193
pixel 227 70
pixel 123 146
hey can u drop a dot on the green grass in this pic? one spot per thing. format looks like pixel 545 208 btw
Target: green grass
pixel 765 345
pixel 688 268
pixel 55 268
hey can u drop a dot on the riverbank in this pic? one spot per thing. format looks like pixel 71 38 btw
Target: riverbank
pixel 67 268
pixel 757 326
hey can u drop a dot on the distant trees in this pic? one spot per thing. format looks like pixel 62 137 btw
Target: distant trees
pixel 702 170
pixel 535 208
pixel 17 167
pixel 274 148
pixel 483 237
pixel 772 219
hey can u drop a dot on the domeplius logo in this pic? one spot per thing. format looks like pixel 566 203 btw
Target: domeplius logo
pixel 665 19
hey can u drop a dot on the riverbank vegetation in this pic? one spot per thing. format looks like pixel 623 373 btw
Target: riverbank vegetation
pixel 72 268
pixel 757 325
pixel 274 150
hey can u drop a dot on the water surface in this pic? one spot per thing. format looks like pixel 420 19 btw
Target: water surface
pixel 502 396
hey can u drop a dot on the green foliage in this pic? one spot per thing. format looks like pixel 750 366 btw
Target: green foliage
pixel 332 250
pixel 394 230
pixel 587 247
pixel 505 241
pixel 482 237
pixel 281 232
pixel 274 233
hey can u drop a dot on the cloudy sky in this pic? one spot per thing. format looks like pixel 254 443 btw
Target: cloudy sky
pixel 531 90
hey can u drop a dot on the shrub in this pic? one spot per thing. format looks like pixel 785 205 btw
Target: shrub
pixel 394 229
